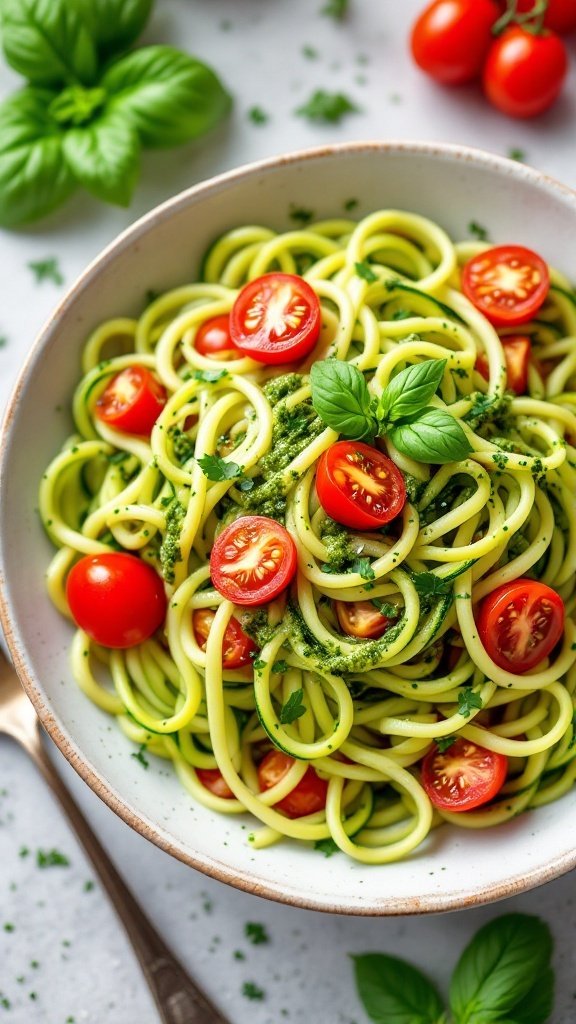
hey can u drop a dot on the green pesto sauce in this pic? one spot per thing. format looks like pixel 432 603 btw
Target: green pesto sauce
pixel 182 444
pixel 170 551
pixel 337 541
pixel 329 657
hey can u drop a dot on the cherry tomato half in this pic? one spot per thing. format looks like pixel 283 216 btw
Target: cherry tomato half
pixel 464 776
pixel 116 598
pixel 358 486
pixel 517 351
pixel 362 619
pixel 132 401
pixel 520 623
pixel 524 73
pixel 560 14
pixel 213 780
pixel 276 319
pixel 451 38
pixel 237 649
pixel 307 797
pixel 508 284
pixel 253 560
pixel 213 339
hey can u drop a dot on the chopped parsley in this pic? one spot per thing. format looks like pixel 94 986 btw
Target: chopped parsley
pixel 216 468
pixel 46 270
pixel 326 846
pixel 350 204
pixel 256 933
pixel 330 107
pixel 517 154
pixel 9 927
pixel 250 990
pixel 445 742
pixel 300 214
pixel 280 666
pixel 469 701
pixel 365 271
pixel 258 116
pixel 139 755
pixel 402 314
pixel 478 231
pixel 88 886
pixel 3 341
pixel 429 585
pixel 51 859
pixel 293 708
pixel 310 52
pixel 337 9
pixel 363 567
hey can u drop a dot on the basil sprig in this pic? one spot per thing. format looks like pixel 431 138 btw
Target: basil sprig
pixel 504 975
pixel 341 398
pixel 87 111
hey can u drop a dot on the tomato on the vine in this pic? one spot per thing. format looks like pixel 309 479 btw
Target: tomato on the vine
pixel 463 776
pixel 276 319
pixel 132 401
pixel 116 598
pixel 507 283
pixel 520 623
pixel 524 72
pixel 237 648
pixel 451 38
pixel 253 560
pixel 358 486
pixel 307 797
pixel 517 350
pixel 213 339
pixel 560 15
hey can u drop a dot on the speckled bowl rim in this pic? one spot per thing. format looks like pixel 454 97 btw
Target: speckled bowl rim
pixel 386 906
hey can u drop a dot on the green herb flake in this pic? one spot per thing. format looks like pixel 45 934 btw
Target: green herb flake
pixel 350 204
pixel 514 153
pixel 51 859
pixel 427 584
pixel 293 708
pixel 256 933
pixel 477 231
pixel 363 567
pixel 310 52
pixel 88 886
pixel 329 107
pixel 326 846
pixel 445 742
pixel 9 927
pixel 46 270
pixel 300 214
pixel 139 755
pixel 250 990
pixel 279 667
pixel 364 270
pixel 258 116
pixel 337 9
pixel 3 341
pixel 216 468
pixel 259 664
pixel 469 701
pixel 210 376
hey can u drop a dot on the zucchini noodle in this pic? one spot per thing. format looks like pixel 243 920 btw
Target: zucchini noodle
pixel 372 708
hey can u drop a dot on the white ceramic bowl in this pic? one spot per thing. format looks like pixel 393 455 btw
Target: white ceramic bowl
pixel 454 868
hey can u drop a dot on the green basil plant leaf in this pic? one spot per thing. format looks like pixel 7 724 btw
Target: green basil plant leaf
pixel 114 24
pixel 537 1005
pixel 341 398
pixel 499 968
pixel 104 156
pixel 48 41
pixel 411 389
pixel 394 992
pixel 34 176
pixel 434 437
pixel 167 96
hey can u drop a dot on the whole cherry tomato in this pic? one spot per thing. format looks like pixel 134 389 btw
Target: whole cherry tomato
pixel 524 73
pixel 560 14
pixel 116 598
pixel 451 38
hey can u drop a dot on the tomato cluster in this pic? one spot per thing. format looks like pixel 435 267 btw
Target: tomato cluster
pixel 514 47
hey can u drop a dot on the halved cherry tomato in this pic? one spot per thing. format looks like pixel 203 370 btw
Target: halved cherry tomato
pixel 361 619
pixel 253 560
pixel 276 319
pixel 213 339
pixel 517 351
pixel 358 486
pixel 307 797
pixel 524 73
pixel 212 779
pixel 464 776
pixel 132 401
pixel 451 38
pixel 520 623
pixel 508 284
pixel 237 649
pixel 116 598
pixel 560 15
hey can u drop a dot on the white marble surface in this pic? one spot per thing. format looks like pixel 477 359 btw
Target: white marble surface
pixel 66 958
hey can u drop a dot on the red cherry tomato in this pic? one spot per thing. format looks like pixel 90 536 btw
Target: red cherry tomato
pixel 361 619
pixel 517 351
pixel 358 486
pixel 116 598
pixel 451 38
pixel 560 15
pixel 464 776
pixel 276 319
pixel 213 339
pixel 253 560
pixel 212 779
pixel 307 797
pixel 132 401
pixel 520 623
pixel 237 649
pixel 508 284
pixel 524 73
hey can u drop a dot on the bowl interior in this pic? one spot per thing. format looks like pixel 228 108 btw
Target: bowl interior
pixel 453 868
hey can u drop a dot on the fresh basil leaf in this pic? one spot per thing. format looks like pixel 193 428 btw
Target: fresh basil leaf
pixel 411 389
pixel 167 96
pixel 537 1005
pixel 114 24
pixel 341 398
pixel 105 157
pixel 34 177
pixel 293 708
pixel 435 437
pixel 216 468
pixel 394 992
pixel 498 968
pixel 48 41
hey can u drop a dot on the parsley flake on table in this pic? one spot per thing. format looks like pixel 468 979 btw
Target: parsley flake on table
pixel 250 990
pixel 139 755
pixel 293 708
pixel 337 9
pixel 46 270
pixel 258 116
pixel 256 933
pixel 51 859
pixel 514 153
pixel 478 231
pixel 3 341
pixel 326 106
pixel 310 52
